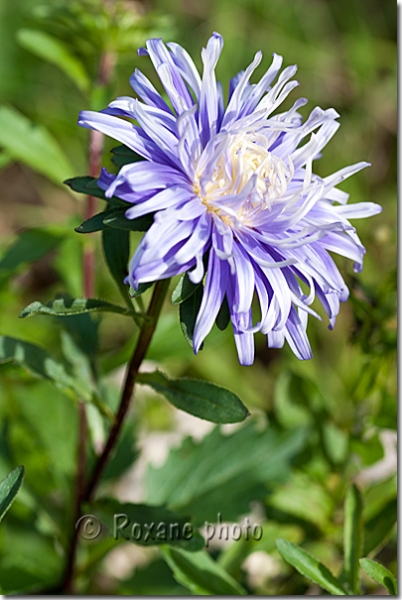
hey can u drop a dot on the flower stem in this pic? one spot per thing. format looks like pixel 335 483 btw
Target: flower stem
pixel 144 340
pixel 145 337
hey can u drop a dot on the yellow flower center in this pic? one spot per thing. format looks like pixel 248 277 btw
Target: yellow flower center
pixel 243 158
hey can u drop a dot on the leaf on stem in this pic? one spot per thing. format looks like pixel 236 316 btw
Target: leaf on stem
pixel 199 398
pixel 124 156
pixel 9 488
pixel 89 186
pixel 72 306
pixel 188 312
pixel 310 567
pixel 114 218
pixel 116 248
pixel 184 289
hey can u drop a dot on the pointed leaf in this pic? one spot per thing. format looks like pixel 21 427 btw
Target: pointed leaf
pixel 148 525
pixel 310 567
pixel 54 51
pixel 199 573
pixel 223 318
pixel 199 398
pixel 33 145
pixel 353 530
pixel 143 287
pixel 124 156
pixel 119 221
pixel 188 314
pixel 9 488
pixel 116 248
pixel 184 289
pixel 380 574
pixel 72 306
pixel 94 223
pixel 89 186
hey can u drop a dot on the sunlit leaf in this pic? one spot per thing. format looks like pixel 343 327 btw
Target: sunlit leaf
pixel 9 488
pixel 199 573
pixel 199 398
pixel 380 574
pixel 71 306
pixel 353 529
pixel 310 567
pixel 33 145
pixel 52 50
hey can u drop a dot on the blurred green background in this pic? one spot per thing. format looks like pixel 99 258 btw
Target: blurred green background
pixel 345 396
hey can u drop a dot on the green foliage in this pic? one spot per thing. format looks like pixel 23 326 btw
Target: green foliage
pixel 200 574
pixel 33 145
pixel 196 477
pixel 310 567
pixel 380 574
pixel 65 307
pixel 148 525
pixel 31 245
pixel 319 424
pixel 188 311
pixel 9 488
pixel 199 398
pixel 53 50
pixel 314 570
pixel 353 531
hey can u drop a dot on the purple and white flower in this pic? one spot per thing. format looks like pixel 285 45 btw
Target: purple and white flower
pixel 234 182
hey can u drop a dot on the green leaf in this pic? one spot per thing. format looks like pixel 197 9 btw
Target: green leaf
pixel 184 289
pixel 114 218
pixel 310 567
pixel 71 306
pixel 201 574
pixel 353 530
pixel 89 186
pixel 197 476
pixel 188 312
pixel 118 220
pixel 199 398
pixel 379 527
pixel 33 145
pixel 124 156
pixel 116 248
pixel 40 363
pixel 380 574
pixel 124 455
pixel 9 488
pixel 31 245
pixel 147 525
pixel 223 318
pixel 94 223
pixel 54 51
pixel 143 287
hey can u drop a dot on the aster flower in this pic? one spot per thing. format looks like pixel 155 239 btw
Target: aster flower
pixel 233 184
